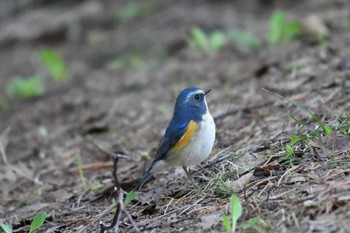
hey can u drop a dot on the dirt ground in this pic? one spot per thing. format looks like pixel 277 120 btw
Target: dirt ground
pixel 103 109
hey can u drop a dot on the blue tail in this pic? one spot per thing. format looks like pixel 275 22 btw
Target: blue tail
pixel 144 179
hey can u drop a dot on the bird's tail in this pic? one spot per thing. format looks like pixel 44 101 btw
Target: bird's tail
pixel 144 179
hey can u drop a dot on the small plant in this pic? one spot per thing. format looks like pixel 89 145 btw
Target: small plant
pixel 54 64
pixel 135 10
pixel 81 173
pixel 25 88
pixel 37 221
pixel 208 43
pixel 290 158
pixel 133 60
pixel 282 29
pixel 256 225
pixel 6 228
pixel 236 212
pixel 87 186
pixel 246 39
pixel 130 197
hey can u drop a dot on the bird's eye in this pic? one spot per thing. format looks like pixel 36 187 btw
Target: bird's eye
pixel 197 96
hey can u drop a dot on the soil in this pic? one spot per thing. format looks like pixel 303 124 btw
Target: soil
pixel 103 109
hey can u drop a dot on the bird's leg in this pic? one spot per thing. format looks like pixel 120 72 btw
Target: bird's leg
pixel 189 176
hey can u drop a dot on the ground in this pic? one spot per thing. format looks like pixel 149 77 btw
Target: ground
pixel 125 72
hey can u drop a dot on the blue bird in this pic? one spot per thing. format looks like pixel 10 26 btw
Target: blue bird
pixel 189 137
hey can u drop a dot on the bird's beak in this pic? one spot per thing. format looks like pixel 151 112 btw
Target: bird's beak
pixel 206 91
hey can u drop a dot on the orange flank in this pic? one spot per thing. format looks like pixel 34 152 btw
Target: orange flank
pixel 185 139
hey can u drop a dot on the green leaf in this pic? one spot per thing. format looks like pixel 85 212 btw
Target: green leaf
pixel 130 197
pixel 25 88
pixel 135 10
pixel 135 60
pixel 276 24
pixel 38 221
pixel 81 172
pixel 294 139
pixel 282 29
pixel 227 223
pixel 246 39
pixel 256 225
pixel 116 64
pixel 54 64
pixel 200 40
pixel 217 40
pixel 292 29
pixel 327 130
pixel 6 228
pixel 289 150
pixel 236 210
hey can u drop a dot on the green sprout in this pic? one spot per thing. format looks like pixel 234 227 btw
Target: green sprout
pixel 246 39
pixel 282 29
pixel 135 10
pixel 25 88
pixel 54 64
pixel 81 173
pixel 37 221
pixel 236 212
pixel 255 225
pixel 130 197
pixel 6 228
pixel 208 43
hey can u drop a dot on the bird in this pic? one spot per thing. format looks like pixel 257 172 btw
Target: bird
pixel 189 137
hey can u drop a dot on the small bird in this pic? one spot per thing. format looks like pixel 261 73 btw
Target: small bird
pixel 189 137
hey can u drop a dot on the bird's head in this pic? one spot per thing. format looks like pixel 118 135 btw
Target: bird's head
pixel 191 102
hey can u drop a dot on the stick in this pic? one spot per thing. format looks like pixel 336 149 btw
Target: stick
pixel 119 200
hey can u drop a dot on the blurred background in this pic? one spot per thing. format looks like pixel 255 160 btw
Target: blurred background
pixel 79 79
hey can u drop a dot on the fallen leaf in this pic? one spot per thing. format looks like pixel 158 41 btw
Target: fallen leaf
pixel 240 182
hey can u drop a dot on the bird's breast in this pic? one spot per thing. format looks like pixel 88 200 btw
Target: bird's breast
pixel 198 146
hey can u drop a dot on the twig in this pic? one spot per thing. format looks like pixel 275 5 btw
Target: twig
pixel 245 109
pixel 119 200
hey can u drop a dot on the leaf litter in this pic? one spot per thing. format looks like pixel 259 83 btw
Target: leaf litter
pixel 102 111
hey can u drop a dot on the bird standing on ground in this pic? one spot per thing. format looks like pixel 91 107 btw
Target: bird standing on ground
pixel 189 137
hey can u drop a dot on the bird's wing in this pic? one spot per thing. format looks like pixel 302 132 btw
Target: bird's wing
pixel 175 136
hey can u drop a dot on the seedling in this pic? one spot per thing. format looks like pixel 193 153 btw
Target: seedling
pixel 236 212
pixel 81 173
pixel 208 43
pixel 246 39
pixel 282 29
pixel 130 197
pixel 37 221
pixel 25 88
pixel 135 10
pixel 54 64
pixel 133 60
pixel 255 225
pixel 6 228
